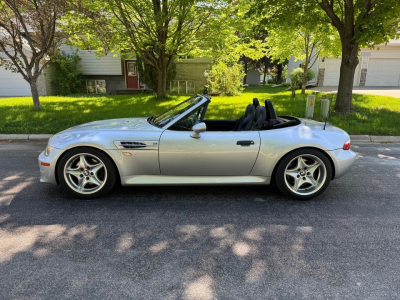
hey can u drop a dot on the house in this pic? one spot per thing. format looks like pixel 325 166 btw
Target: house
pixel 376 68
pixel 13 84
pixel 114 74
pixel 111 74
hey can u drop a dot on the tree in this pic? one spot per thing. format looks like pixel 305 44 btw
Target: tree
pixel 156 30
pixel 360 23
pixel 303 43
pixel 148 73
pixel 233 35
pixel 28 35
pixel 295 33
pixel 262 65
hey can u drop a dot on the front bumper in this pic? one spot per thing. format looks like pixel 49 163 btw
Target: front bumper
pixel 343 160
pixel 48 173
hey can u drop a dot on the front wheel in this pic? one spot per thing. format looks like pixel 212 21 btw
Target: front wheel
pixel 86 173
pixel 303 174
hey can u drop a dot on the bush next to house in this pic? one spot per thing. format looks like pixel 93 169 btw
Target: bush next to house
pixel 148 73
pixel 67 76
pixel 226 79
pixel 296 78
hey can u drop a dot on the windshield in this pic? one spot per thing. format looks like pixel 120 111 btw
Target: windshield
pixel 163 119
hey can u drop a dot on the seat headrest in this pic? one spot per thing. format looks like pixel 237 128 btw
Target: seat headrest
pixel 261 112
pixel 249 110
pixel 256 103
pixel 271 114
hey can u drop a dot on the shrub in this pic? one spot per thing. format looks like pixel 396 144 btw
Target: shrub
pixel 297 75
pixel 148 73
pixel 226 79
pixel 66 75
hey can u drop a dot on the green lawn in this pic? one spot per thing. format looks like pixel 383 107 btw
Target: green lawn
pixel 377 115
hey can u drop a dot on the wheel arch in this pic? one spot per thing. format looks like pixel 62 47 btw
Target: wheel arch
pixel 303 148
pixel 89 146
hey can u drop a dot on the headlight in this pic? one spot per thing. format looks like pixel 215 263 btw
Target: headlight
pixel 48 150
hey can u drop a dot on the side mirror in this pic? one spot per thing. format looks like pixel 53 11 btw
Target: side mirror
pixel 198 128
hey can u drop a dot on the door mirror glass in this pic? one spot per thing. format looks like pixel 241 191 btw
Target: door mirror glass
pixel 198 128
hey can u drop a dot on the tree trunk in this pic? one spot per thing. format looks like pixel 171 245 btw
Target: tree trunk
pixel 35 94
pixel 162 82
pixel 304 83
pixel 265 75
pixel 279 74
pixel 347 70
pixel 246 68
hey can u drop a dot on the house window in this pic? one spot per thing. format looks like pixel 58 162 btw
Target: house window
pixel 131 68
pixel 186 87
pixel 96 86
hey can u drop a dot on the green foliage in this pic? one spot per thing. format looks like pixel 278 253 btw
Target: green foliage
pixel 231 34
pixel 67 76
pixel 148 73
pixel 226 79
pixel 297 76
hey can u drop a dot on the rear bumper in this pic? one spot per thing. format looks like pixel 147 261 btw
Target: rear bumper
pixel 343 160
pixel 48 173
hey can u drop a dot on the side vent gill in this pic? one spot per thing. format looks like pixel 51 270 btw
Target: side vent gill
pixel 145 145
pixel 133 145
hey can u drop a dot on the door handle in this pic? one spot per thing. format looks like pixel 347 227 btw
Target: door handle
pixel 245 143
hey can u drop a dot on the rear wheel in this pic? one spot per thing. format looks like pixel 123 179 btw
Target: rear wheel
pixel 87 173
pixel 303 174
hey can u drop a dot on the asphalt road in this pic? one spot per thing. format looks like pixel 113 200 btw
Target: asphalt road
pixel 201 242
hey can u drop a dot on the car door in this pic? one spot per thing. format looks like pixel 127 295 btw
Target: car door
pixel 225 153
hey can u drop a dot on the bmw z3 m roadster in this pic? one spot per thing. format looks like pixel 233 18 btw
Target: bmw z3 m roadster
pixel 182 147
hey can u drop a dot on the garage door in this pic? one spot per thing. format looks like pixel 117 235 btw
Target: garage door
pixel 12 84
pixel 332 72
pixel 383 72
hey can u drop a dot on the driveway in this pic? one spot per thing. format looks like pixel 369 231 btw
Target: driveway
pixel 381 91
pixel 202 243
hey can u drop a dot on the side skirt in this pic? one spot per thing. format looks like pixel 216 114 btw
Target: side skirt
pixel 194 180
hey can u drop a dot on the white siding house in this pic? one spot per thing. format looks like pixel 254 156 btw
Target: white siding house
pixel 376 68
pixel 92 64
pixel 14 85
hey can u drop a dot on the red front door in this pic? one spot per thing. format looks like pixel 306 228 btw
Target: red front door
pixel 131 74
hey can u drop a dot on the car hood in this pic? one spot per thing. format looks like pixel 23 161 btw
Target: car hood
pixel 102 134
pixel 115 124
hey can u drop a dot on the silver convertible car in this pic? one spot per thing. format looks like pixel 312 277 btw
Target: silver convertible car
pixel 181 147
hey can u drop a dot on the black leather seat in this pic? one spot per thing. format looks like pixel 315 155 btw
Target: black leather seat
pixel 246 121
pixel 259 118
pixel 256 103
pixel 271 117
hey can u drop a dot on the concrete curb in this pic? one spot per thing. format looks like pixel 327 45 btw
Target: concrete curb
pixel 354 138
pixel 29 137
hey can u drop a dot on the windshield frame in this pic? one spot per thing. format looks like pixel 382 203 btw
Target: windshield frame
pixel 180 113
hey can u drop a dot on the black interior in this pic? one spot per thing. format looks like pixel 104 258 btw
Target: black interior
pixel 220 125
pixel 256 117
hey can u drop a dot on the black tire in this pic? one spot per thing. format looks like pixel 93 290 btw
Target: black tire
pixel 110 177
pixel 287 187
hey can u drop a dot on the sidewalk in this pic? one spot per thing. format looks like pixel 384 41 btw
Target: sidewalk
pixel 354 138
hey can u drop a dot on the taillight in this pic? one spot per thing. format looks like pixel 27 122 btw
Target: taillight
pixel 346 145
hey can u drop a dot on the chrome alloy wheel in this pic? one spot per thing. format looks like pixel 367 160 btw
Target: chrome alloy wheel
pixel 305 174
pixel 85 173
